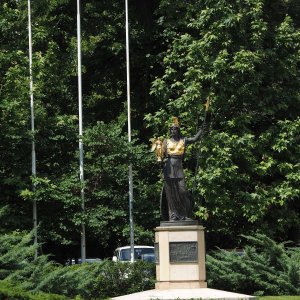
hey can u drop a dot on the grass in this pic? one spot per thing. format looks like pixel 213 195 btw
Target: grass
pixel 280 298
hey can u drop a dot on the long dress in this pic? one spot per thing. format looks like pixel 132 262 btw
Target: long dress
pixel 175 199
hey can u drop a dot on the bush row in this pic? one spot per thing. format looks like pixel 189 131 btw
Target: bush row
pixel 9 291
pixel 89 280
pixel 265 268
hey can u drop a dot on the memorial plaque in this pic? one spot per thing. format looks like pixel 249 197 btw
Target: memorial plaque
pixel 182 252
pixel 156 252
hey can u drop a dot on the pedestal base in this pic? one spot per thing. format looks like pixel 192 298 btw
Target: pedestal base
pixel 180 254
pixel 186 294
pixel 168 285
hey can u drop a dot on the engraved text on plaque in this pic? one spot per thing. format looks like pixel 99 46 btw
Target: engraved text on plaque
pixel 181 252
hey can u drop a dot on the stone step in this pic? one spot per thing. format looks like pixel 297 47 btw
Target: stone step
pixel 186 294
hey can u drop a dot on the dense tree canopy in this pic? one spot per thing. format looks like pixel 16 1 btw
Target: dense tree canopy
pixel 242 55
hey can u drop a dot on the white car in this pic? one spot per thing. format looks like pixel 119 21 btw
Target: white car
pixel 145 253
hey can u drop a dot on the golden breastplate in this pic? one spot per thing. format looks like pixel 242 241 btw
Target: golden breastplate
pixel 176 147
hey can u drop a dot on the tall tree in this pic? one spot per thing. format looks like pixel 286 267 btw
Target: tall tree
pixel 104 99
pixel 244 55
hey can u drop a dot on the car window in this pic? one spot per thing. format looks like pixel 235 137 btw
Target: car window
pixel 125 255
pixel 138 253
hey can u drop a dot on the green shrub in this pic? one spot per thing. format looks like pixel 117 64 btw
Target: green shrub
pixel 99 281
pixel 9 291
pixel 89 281
pixel 15 250
pixel 266 268
pixel 17 263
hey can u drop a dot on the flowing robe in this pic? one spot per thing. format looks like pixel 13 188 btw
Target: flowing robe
pixel 175 199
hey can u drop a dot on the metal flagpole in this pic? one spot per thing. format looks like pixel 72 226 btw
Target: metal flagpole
pixel 129 137
pixel 83 246
pixel 33 157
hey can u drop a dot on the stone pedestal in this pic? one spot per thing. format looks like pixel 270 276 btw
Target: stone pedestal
pixel 180 255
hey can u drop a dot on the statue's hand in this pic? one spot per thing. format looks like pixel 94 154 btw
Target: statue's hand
pixel 163 162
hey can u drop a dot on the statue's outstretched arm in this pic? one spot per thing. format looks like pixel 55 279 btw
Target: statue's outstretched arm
pixel 196 137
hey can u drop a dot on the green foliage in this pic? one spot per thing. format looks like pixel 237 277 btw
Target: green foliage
pixel 99 281
pixel 14 113
pixel 279 298
pixel 19 271
pixel 34 277
pixel 17 261
pixel 107 157
pixel 10 291
pixel 57 186
pixel 266 268
pixel 245 57
pixel 14 251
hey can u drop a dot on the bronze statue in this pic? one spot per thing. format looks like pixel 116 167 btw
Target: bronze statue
pixel 175 199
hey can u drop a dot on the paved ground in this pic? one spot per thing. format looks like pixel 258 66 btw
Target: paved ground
pixel 184 294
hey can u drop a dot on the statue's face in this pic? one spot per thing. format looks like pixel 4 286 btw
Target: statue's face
pixel 174 131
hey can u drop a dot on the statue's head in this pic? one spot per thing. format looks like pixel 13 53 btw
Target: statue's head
pixel 174 128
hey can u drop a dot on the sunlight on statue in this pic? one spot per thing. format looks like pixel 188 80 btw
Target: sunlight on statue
pixel 175 199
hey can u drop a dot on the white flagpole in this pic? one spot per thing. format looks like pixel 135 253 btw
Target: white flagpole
pixel 83 245
pixel 129 137
pixel 33 157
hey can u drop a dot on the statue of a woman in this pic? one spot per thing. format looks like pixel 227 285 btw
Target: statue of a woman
pixel 175 199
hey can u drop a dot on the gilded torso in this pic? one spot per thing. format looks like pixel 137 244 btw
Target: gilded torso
pixel 174 151
pixel 175 147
